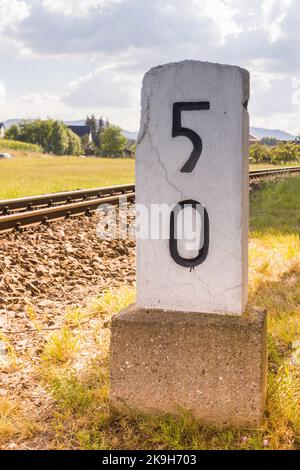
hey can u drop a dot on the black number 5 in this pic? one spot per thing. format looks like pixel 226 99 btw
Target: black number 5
pixel 193 136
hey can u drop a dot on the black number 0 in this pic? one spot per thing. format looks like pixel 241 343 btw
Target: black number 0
pixel 188 167
pixel 178 130
pixel 203 249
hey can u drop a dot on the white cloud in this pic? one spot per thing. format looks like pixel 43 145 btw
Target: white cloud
pixel 2 92
pixel 35 105
pixel 77 8
pixel 284 121
pixel 12 12
pixel 104 87
pixel 126 37
pixel 107 92
pixel 223 14
pixel 274 12
pixel 296 92
pixel 116 27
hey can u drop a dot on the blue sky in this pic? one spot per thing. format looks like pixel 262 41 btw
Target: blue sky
pixel 67 58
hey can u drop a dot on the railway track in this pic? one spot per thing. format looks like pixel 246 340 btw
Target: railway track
pixel 273 172
pixel 16 214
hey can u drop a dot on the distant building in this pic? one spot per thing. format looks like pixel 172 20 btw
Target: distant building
pixel 82 131
pixel 253 140
pixel 2 130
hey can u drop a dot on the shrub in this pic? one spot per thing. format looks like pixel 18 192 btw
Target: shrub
pixel 260 153
pixel 284 153
pixel 298 152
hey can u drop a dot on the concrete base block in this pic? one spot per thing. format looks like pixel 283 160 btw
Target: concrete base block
pixel 211 365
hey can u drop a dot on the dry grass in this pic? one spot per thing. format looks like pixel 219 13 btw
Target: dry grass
pixel 13 423
pixel 61 347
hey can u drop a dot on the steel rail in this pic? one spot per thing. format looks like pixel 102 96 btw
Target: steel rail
pixel 43 216
pixel 7 206
pixel 27 212
pixel 273 171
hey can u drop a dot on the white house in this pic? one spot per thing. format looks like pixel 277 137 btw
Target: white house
pixel 2 130
pixel 253 140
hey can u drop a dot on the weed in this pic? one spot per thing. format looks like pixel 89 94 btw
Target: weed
pixel 60 347
pixel 111 302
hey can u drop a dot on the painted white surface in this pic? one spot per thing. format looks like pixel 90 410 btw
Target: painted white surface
pixel 219 181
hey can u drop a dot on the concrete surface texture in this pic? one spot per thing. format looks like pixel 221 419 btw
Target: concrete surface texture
pixel 219 181
pixel 214 366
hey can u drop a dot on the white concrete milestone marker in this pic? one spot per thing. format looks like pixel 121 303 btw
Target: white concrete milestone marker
pixel 192 156
pixel 173 350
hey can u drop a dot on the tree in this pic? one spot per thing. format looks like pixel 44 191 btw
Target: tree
pixel 284 153
pixel 113 142
pixel 101 124
pixel 97 135
pixel 298 152
pixel 53 136
pixel 92 123
pixel 270 141
pixel 12 133
pixel 74 144
pixel 260 153
pixel 59 139
pixel 85 141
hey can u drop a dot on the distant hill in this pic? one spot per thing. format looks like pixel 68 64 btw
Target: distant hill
pixel 79 122
pixel 11 122
pixel 257 132
pixel 130 135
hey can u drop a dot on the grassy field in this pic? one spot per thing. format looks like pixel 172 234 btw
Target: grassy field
pixel 269 166
pixel 74 360
pixel 28 173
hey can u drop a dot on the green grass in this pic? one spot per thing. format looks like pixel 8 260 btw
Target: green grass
pixel 276 207
pixel 6 144
pixel 31 174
